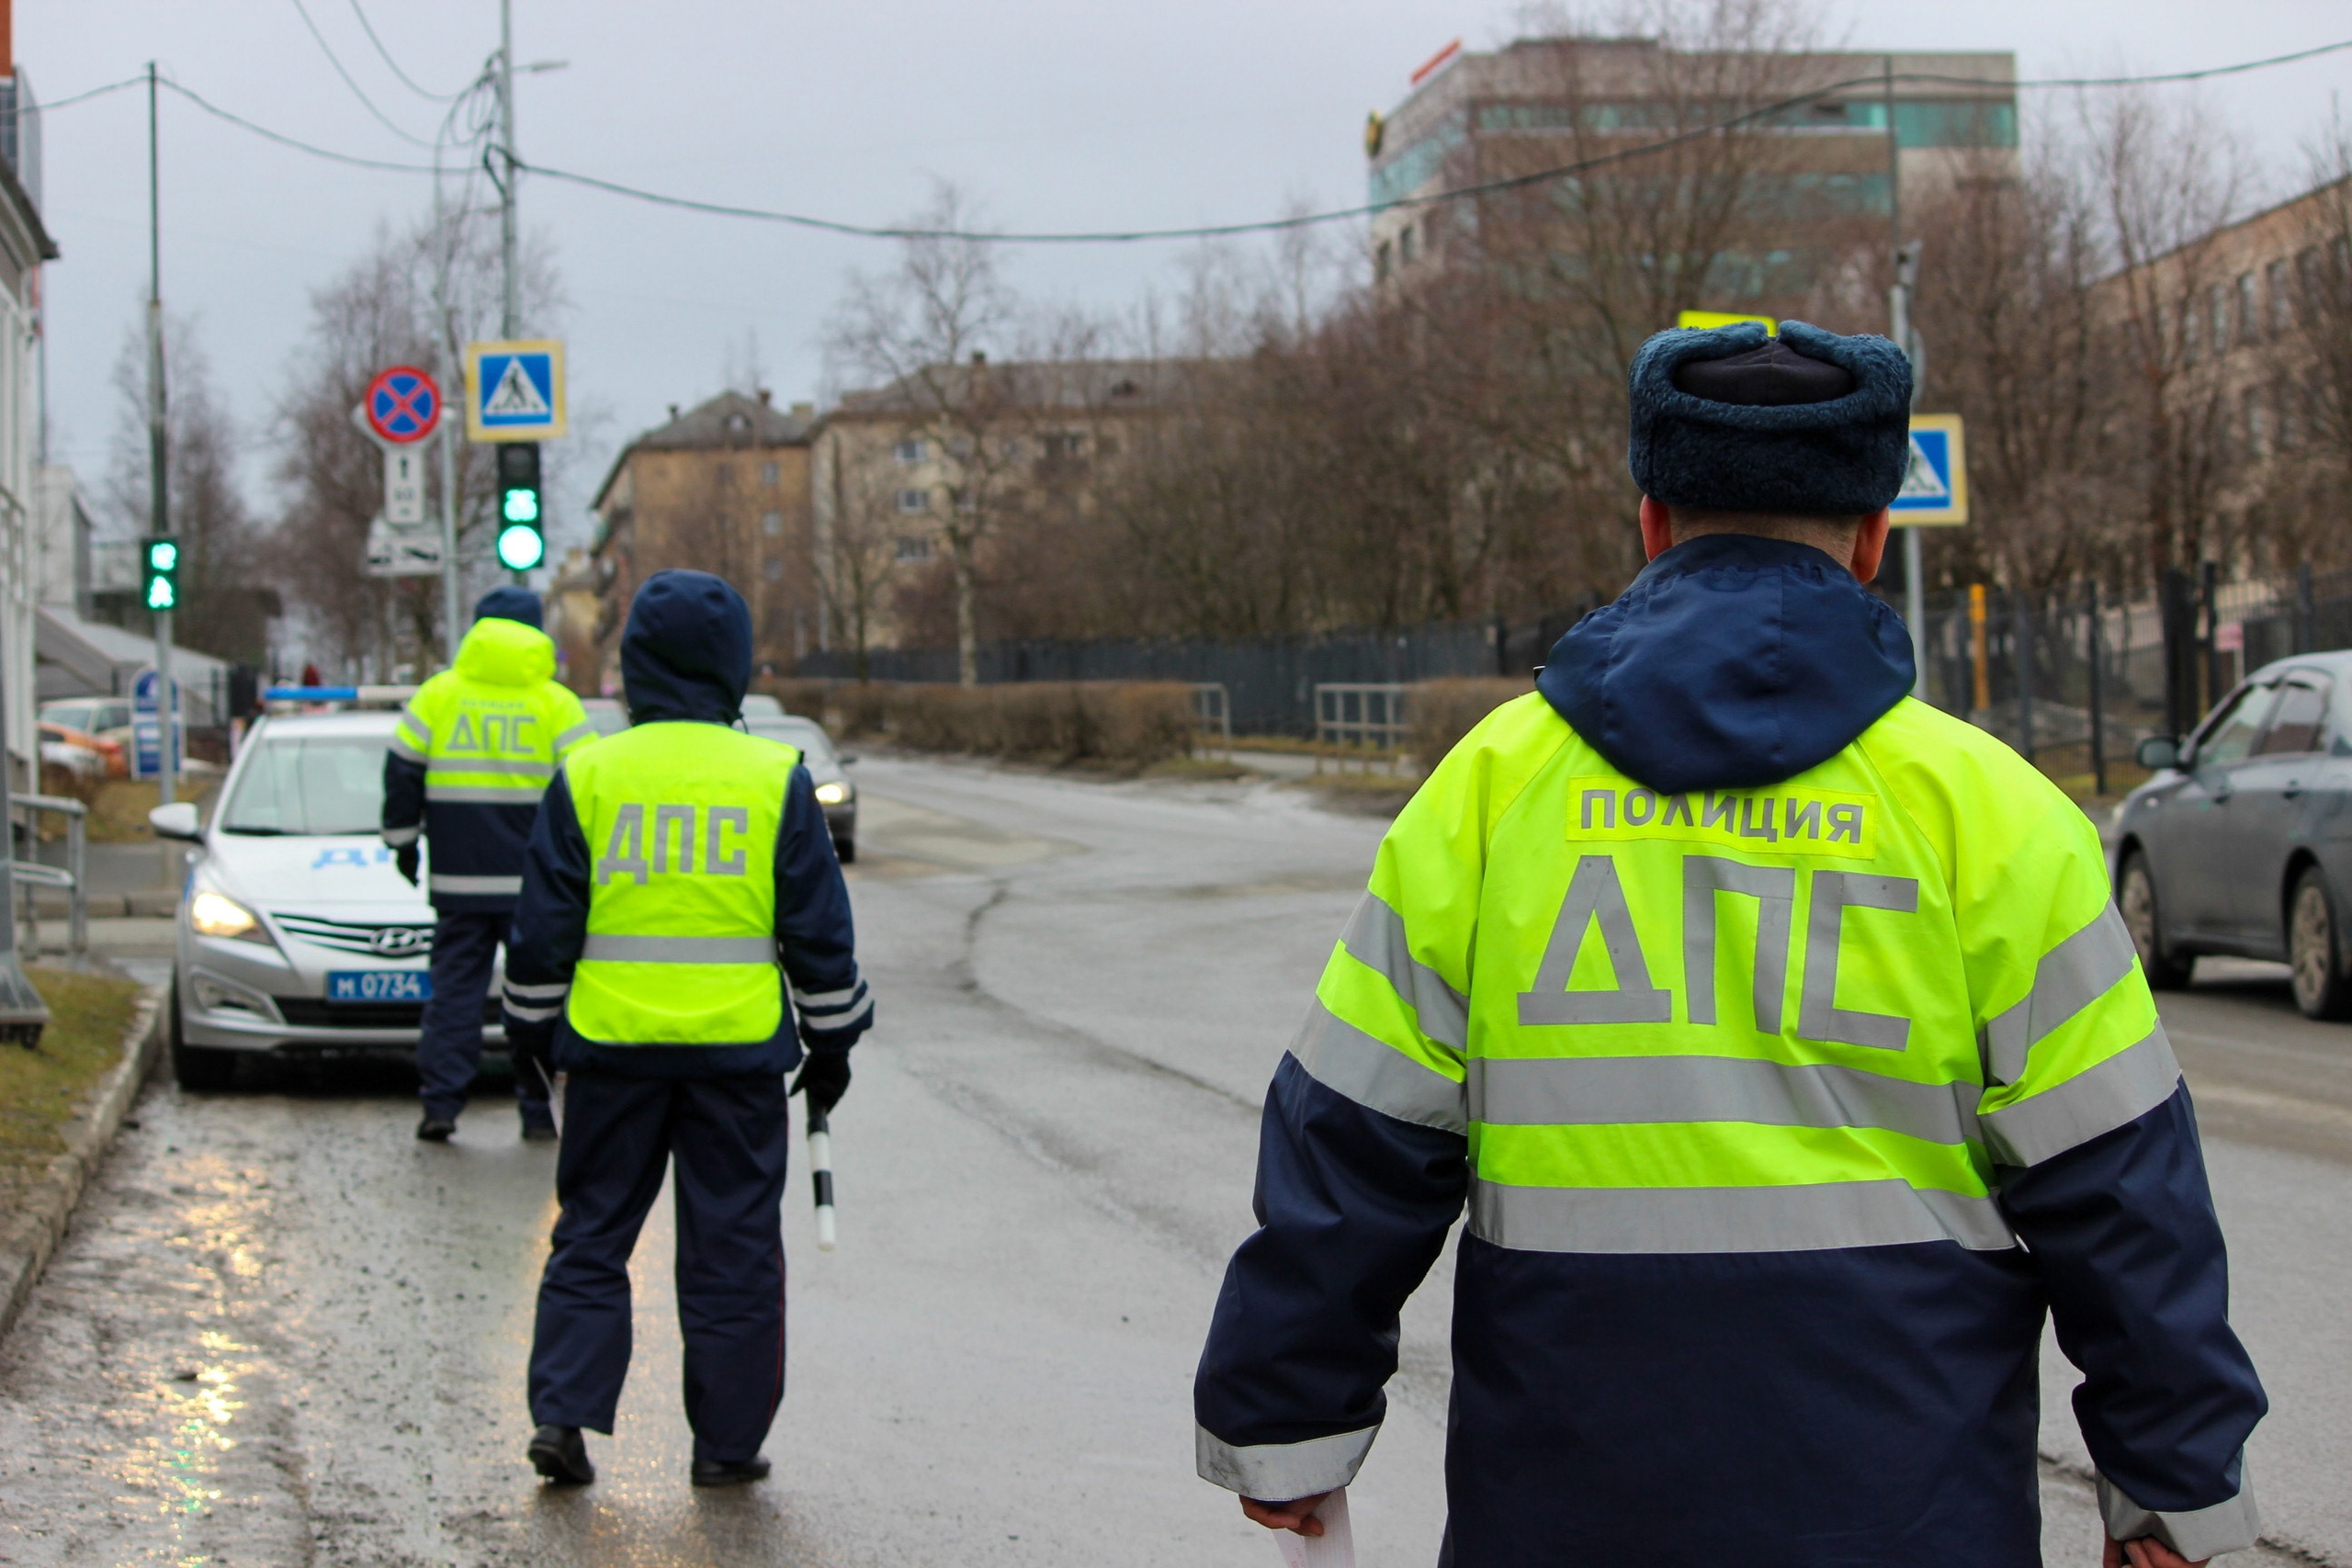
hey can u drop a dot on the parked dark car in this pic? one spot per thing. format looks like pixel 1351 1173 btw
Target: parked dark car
pixel 2242 843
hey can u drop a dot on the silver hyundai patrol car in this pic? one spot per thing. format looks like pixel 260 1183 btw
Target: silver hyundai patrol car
pixel 296 933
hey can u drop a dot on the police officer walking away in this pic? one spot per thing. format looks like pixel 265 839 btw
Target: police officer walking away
pixel 679 876
pixel 474 749
pixel 1782 1037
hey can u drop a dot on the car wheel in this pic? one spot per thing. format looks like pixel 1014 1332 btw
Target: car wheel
pixel 2135 896
pixel 2315 949
pixel 201 1068
pixel 845 851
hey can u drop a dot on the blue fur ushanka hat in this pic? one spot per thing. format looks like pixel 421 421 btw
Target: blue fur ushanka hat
pixel 1811 424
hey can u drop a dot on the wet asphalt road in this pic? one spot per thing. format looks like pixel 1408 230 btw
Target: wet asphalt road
pixel 284 1333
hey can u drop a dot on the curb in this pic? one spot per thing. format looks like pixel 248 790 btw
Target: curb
pixel 31 1236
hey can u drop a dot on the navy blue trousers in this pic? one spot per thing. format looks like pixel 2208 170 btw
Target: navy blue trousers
pixel 728 1136
pixel 448 1047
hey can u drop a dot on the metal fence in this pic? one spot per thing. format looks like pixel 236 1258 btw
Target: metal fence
pixel 2074 680
pixel 2071 676
pixel 1269 681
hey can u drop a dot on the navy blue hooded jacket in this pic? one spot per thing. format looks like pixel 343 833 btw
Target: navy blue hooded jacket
pixel 686 654
pixel 1863 1405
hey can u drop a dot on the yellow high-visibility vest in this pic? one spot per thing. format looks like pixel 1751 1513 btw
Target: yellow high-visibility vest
pixel 681 821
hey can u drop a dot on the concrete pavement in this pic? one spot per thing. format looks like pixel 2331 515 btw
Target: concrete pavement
pixel 283 1332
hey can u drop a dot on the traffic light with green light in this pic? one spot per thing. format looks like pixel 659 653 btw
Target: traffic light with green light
pixel 162 573
pixel 522 544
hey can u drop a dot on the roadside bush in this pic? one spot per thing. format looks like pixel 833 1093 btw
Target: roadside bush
pixel 807 698
pixel 1443 711
pixel 1130 723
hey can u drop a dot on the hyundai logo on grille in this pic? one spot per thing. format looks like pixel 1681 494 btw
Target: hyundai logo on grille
pixel 398 942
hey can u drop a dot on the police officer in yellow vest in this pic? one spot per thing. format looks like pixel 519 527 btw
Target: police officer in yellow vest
pixel 1781 1036
pixel 679 882
pixel 472 752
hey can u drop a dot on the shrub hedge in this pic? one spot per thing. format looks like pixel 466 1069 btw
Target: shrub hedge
pixel 1442 712
pixel 1130 723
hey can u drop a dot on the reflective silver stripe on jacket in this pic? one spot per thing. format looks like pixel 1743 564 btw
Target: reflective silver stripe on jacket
pixel 602 949
pixel 1731 1219
pixel 1376 938
pixel 537 1003
pixel 403 750
pixel 1600 1090
pixel 1375 1074
pixel 436 883
pixel 2070 978
pixel 394 838
pixel 1276 1473
pixel 481 794
pixel 2231 1525
pixel 2098 1099
pixel 503 766
pixel 576 733
pixel 833 1009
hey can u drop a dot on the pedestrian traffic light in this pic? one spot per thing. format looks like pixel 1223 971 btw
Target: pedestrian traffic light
pixel 162 573
pixel 521 543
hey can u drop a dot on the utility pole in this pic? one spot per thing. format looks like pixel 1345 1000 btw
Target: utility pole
pixel 159 516
pixel 511 318
pixel 1898 299
pixel 446 372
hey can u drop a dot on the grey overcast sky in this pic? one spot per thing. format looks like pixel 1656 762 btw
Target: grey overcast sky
pixel 1056 113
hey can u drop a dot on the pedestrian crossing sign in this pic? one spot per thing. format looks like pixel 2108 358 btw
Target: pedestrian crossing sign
pixel 1935 485
pixel 515 390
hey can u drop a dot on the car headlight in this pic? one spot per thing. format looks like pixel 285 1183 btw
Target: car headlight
pixel 216 914
pixel 833 794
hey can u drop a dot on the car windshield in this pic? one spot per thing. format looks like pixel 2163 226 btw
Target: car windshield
pixel 74 716
pixel 800 732
pixel 311 785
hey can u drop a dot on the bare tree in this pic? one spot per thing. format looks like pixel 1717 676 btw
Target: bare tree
pixel 225 609
pixel 380 312
pixel 2007 304
pixel 923 332
pixel 2167 178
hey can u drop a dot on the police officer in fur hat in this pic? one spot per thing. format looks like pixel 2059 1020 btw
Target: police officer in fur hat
pixel 1781 1036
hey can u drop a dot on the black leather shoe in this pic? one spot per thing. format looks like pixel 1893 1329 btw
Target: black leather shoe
pixel 539 1132
pixel 561 1455
pixel 731 1473
pixel 436 1129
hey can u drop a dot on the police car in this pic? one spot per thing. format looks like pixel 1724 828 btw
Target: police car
pixel 297 934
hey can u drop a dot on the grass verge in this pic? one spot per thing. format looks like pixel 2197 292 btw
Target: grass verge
pixel 41 1091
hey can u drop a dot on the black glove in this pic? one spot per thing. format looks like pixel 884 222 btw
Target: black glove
pixel 404 862
pixel 825 1075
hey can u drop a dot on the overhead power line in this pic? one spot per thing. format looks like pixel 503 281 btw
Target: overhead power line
pixel 351 81
pixel 240 122
pixel 1220 231
pixel 394 66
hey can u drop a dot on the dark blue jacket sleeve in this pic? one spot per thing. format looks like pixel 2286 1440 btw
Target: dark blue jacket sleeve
pixel 813 926
pixel 2123 1231
pixel 551 921
pixel 1352 1208
pixel 403 799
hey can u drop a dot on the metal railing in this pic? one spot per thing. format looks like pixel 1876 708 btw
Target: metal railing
pixel 1359 715
pixel 73 877
pixel 1213 712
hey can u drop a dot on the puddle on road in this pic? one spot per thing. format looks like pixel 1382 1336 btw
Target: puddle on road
pixel 896 838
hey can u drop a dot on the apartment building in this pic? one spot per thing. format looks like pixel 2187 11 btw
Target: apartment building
pixel 1835 137
pixel 722 487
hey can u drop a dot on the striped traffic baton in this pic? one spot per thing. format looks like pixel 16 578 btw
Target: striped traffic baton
pixel 820 1173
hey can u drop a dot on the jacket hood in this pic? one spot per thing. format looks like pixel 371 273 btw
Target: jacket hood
pixel 509 603
pixel 687 649
pixel 506 653
pixel 1732 661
